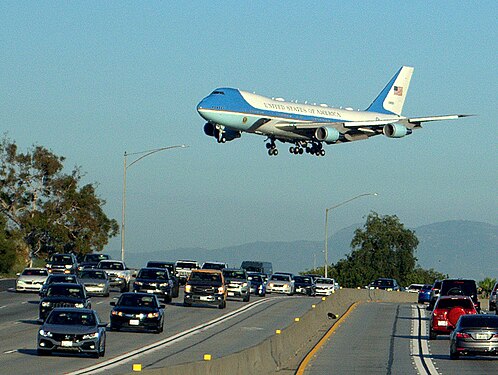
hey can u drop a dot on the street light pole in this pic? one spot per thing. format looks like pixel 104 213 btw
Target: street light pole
pixel 326 225
pixel 125 168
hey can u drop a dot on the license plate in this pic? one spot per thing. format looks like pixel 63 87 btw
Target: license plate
pixel 442 323
pixel 206 298
pixel 66 343
pixel 481 336
pixel 150 291
pixel 134 322
pixel 231 294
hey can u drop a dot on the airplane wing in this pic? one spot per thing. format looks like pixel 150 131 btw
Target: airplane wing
pixel 418 120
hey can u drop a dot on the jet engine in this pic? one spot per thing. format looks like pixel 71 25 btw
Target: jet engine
pixel 396 130
pixel 220 132
pixel 327 134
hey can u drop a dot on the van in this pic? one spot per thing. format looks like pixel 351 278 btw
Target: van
pixel 265 268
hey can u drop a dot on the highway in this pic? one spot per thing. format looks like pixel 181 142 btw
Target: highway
pixel 375 338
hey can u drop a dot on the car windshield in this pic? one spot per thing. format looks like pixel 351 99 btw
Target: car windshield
pixel 474 321
pixel 73 318
pixel 137 300
pixel 256 278
pixel 95 257
pixel 65 290
pixel 169 266
pixel 235 274
pixel 324 281
pixel 111 266
pixel 92 274
pixel 205 276
pixel 213 266
pixel 383 282
pixel 188 265
pixel 152 274
pixel 459 288
pixel 280 277
pixel 448 303
pixel 33 272
pixel 61 259
pixel 426 287
pixel 61 279
pixel 302 279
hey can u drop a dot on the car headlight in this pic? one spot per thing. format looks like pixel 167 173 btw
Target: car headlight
pixel 68 266
pixel 244 285
pixel 101 285
pixel 79 305
pixel 45 333
pixel 118 313
pixel 91 336
pixel 164 284
pixel 221 290
pixel 21 282
pixel 139 283
pixel 153 315
pixel 270 285
pixel 188 288
pixel 45 304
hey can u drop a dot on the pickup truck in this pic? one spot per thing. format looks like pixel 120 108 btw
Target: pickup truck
pixel 206 287
pixel 184 268
pixel 119 274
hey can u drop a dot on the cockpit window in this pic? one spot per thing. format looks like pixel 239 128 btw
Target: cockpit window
pixel 217 93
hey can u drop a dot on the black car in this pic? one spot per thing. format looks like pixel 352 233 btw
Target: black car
pixel 91 260
pixel 474 334
pixel 156 281
pixel 140 311
pixel 461 287
pixel 57 278
pixel 170 266
pixel 63 295
pixel 304 285
pixel 74 330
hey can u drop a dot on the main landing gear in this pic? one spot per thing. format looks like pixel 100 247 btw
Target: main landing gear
pixel 272 148
pixel 315 148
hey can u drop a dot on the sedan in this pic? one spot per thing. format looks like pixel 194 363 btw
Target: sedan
pixel 155 281
pixel 96 282
pixel 325 286
pixel 31 279
pixel 474 334
pixel 137 311
pixel 73 330
pixel 305 285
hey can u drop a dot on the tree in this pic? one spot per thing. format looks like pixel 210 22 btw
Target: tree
pixel 7 249
pixel 486 286
pixel 47 207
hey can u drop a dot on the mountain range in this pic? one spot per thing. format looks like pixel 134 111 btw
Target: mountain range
pixel 459 248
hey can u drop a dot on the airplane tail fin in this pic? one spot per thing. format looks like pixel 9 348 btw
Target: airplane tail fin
pixel 392 98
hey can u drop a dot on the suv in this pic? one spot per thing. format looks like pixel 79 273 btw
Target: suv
pixel 492 299
pixel 119 274
pixel 238 285
pixel 461 287
pixel 205 286
pixel 62 263
pixel 170 266
pixel 446 312
pixel 155 281
pixel 63 295
pixel 184 268
pixel 214 266
pixel 91 260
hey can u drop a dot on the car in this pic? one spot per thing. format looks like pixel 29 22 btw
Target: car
pixel 155 281
pixel 91 260
pixel 281 283
pixel 31 279
pixel 258 283
pixel 205 287
pixel 119 275
pixel 414 288
pixel 238 285
pixel 424 294
pixel 435 291
pixel 492 298
pixel 73 330
pixel 305 285
pixel 461 287
pixel 184 268
pixel 57 278
pixel 63 295
pixel 446 312
pixel 62 263
pixel 170 266
pixel 214 266
pixel 95 281
pixel 384 283
pixel 325 286
pixel 137 311
pixel 474 334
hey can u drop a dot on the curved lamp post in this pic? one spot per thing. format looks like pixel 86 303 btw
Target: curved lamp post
pixel 125 167
pixel 326 225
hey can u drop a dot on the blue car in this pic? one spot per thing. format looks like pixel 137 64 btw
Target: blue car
pixel 424 295
pixel 258 283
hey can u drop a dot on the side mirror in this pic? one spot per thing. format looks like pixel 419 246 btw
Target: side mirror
pixel 112 303
pixel 18 274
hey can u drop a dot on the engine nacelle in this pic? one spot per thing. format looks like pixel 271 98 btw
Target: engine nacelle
pixel 209 129
pixel 327 134
pixel 220 132
pixel 396 131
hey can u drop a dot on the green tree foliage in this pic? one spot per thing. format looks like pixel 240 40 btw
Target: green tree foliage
pixel 486 286
pixel 47 207
pixel 7 249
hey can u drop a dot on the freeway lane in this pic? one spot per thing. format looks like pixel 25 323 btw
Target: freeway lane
pixel 18 328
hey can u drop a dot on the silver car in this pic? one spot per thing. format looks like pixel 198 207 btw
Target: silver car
pixel 96 282
pixel 281 283
pixel 31 279
pixel 325 286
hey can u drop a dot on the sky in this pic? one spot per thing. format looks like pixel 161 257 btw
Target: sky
pixel 91 80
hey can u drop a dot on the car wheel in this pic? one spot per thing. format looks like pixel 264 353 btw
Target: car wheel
pixel 222 305
pixel 247 298
pixel 96 354
pixel 432 334
pixel 113 327
pixel 167 299
pixel 187 304
pixel 102 352
pixel 454 355
pixel 43 352
pixel 106 294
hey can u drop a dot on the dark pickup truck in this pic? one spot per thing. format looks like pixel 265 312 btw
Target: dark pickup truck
pixel 206 287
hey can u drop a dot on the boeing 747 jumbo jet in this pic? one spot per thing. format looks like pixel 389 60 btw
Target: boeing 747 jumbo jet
pixel 230 112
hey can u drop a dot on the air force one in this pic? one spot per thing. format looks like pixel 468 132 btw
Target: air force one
pixel 230 112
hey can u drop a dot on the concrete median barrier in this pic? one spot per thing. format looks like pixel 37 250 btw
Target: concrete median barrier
pixel 282 353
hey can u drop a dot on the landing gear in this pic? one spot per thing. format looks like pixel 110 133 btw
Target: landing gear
pixel 316 149
pixel 298 150
pixel 272 148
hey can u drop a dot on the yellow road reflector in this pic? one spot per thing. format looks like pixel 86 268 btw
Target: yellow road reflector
pixel 137 367
pixel 313 306
pixel 207 357
pixel 297 319
pixel 324 298
pixel 278 332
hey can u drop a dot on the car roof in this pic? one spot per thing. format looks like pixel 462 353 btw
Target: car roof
pixel 207 271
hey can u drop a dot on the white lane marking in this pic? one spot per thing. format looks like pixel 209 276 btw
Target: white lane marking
pixel 414 341
pixel 98 303
pixel 418 324
pixel 120 360
pixel 10 351
pixel 3 307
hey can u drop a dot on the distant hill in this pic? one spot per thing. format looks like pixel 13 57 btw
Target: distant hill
pixel 458 248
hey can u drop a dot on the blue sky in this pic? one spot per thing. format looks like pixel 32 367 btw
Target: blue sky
pixel 91 80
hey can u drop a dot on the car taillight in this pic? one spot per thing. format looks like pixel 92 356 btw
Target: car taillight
pixel 461 335
pixel 495 336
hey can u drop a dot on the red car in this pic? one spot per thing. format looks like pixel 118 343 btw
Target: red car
pixel 446 313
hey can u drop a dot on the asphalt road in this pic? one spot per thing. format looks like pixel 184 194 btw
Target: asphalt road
pixel 390 338
pixel 184 340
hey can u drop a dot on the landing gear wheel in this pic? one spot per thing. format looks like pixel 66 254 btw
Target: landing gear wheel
pixel 301 151
pixel 322 152
pixel 291 150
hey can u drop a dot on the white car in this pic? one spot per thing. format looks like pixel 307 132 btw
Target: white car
pixel 31 279
pixel 414 288
pixel 325 286
pixel 280 283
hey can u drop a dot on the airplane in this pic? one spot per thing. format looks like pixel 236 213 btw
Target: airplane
pixel 229 112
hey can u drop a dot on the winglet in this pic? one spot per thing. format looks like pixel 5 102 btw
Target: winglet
pixel 392 98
